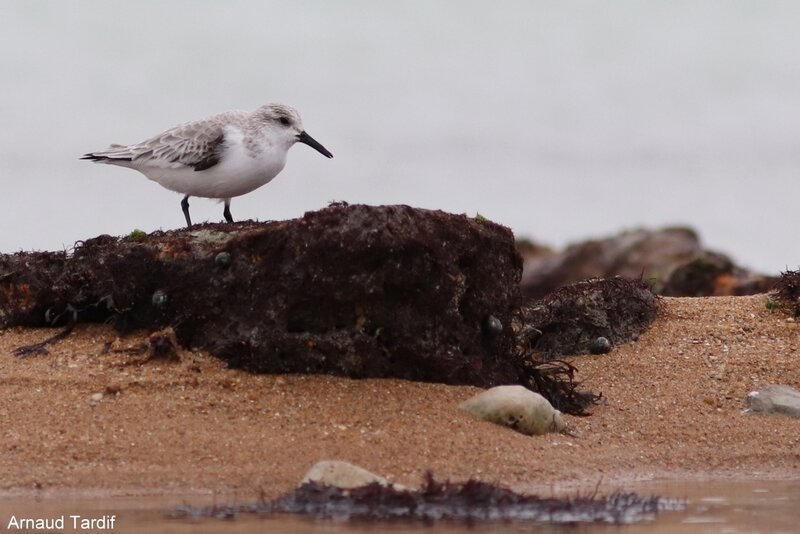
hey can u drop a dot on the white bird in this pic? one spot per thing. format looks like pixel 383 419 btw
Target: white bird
pixel 223 156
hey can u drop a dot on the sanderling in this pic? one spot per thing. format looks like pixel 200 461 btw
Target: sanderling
pixel 221 157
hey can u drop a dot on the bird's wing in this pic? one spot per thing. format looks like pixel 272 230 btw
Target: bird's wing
pixel 196 144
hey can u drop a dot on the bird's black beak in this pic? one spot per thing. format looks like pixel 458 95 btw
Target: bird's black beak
pixel 306 139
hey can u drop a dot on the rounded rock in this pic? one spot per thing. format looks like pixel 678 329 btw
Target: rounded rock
pixel 342 475
pixel 775 399
pixel 516 407
pixel 600 345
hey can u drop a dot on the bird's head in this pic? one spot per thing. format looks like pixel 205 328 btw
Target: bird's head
pixel 285 124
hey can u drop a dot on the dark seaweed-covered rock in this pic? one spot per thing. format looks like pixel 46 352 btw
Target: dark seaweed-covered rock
pixel 672 258
pixel 787 291
pixel 470 501
pixel 570 320
pixel 360 291
pixel 713 274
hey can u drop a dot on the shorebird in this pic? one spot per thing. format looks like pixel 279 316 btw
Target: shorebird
pixel 223 156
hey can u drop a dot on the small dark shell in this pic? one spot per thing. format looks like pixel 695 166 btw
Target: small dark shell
pixel 223 259
pixel 600 345
pixel 159 299
pixel 492 326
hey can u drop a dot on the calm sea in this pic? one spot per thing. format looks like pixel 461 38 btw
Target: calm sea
pixel 564 120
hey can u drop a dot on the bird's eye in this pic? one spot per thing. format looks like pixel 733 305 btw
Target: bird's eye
pixel 285 121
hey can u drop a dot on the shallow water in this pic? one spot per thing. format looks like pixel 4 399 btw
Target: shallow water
pixel 711 507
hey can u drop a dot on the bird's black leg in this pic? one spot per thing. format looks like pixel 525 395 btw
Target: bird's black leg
pixel 185 207
pixel 227 212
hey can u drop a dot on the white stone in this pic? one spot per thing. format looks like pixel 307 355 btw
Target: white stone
pixel 775 399
pixel 516 407
pixel 342 475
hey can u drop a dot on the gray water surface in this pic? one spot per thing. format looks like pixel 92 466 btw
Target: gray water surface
pixel 711 507
pixel 563 120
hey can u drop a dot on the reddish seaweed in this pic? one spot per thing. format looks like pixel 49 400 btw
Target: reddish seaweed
pixel 470 501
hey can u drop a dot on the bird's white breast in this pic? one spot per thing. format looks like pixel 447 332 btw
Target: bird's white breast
pixel 243 167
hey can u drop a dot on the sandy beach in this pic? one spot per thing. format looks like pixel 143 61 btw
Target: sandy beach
pixel 672 409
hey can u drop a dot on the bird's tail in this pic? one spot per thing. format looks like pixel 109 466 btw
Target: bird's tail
pixel 114 154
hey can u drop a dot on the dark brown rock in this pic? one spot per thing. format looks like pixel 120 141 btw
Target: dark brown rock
pixel 570 320
pixel 673 259
pixel 361 291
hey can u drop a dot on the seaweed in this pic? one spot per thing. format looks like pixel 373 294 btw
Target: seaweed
pixel 555 381
pixel 471 501
pixel 40 347
pixel 569 320
pixel 787 291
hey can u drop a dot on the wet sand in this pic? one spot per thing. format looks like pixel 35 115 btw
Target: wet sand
pixel 672 410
